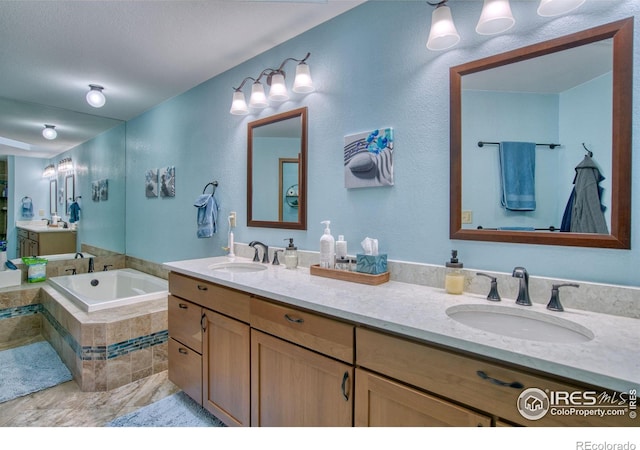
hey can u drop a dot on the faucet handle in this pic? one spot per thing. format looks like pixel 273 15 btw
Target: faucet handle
pixel 493 295
pixel 275 257
pixel 554 302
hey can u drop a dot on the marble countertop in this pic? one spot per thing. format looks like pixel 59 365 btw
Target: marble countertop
pixel 610 360
pixel 46 229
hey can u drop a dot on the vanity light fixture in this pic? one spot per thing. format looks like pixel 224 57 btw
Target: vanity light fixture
pixel 495 18
pixel 275 79
pixel 49 132
pixel 49 171
pixel 95 96
pixel 443 34
pixel 550 8
pixel 65 165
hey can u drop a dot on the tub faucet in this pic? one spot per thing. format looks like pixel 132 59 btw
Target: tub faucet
pixel 523 290
pixel 90 265
pixel 78 254
pixel 265 254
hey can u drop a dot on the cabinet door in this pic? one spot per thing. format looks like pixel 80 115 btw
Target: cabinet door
pixel 381 402
pixel 293 386
pixel 225 369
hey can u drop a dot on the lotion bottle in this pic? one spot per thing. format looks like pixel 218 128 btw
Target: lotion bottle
pixel 327 247
pixel 454 278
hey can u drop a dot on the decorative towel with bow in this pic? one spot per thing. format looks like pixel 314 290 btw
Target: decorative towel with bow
pixel 207 216
pixel 27 207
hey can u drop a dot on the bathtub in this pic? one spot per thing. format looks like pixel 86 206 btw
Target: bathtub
pixel 102 290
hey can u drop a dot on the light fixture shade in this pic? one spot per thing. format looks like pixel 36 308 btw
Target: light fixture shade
pixel 258 99
pixel 49 132
pixel 303 84
pixel 496 17
pixel 239 105
pixel 550 8
pixel 443 34
pixel 95 97
pixel 278 91
pixel 49 171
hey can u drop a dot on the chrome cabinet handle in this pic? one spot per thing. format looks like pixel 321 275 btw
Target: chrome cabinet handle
pixel 513 384
pixel 345 395
pixel 182 306
pixel 293 319
pixel 183 351
pixel 202 287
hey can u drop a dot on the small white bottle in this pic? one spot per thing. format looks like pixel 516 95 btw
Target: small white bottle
pixel 327 247
pixel 342 262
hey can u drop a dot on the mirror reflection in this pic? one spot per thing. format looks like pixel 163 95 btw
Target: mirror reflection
pixel 524 126
pixel 276 171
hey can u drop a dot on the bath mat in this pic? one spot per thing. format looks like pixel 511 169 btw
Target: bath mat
pixel 177 410
pixel 30 368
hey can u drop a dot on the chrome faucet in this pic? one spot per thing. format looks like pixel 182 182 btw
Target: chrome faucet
pixel 265 254
pixel 78 254
pixel 90 265
pixel 523 290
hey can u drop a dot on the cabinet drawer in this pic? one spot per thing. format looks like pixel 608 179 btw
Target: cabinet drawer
pixel 184 323
pixel 456 377
pixel 34 236
pixel 217 298
pixel 185 369
pixel 324 335
pixel 23 233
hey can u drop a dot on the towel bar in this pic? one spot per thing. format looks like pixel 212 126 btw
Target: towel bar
pixel 551 146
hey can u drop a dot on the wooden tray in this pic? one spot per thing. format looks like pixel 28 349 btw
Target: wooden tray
pixel 344 275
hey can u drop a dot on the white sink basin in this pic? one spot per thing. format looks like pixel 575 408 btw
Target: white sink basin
pixel 520 323
pixel 237 267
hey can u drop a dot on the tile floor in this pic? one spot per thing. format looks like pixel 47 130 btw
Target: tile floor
pixel 66 405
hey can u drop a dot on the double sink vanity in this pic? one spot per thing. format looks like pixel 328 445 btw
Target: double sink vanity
pixel 36 237
pixel 260 345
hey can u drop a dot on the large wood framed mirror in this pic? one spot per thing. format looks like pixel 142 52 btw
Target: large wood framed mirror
pixel 277 161
pixel 586 107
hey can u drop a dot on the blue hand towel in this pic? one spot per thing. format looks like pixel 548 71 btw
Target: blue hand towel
pixel 74 212
pixel 518 167
pixel 207 215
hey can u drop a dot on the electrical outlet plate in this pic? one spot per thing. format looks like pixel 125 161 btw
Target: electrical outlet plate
pixel 232 218
pixel 467 217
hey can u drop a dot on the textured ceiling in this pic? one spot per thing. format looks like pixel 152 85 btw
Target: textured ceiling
pixel 142 52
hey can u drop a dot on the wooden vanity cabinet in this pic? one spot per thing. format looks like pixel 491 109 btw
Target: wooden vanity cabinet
pixel 301 368
pixel 454 378
pixel 31 243
pixel 222 371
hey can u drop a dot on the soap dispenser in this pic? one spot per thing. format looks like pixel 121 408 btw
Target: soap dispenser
pixel 327 247
pixel 454 278
pixel 290 255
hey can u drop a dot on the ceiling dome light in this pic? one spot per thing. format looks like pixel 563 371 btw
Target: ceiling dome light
pixel 49 132
pixel 550 8
pixel 496 17
pixel 443 34
pixel 95 97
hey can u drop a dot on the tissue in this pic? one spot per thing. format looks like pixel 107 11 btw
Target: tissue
pixel 370 261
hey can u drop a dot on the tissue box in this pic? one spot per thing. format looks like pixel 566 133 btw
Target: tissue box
pixel 371 264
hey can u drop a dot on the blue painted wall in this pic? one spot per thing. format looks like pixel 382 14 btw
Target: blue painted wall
pixel 370 72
